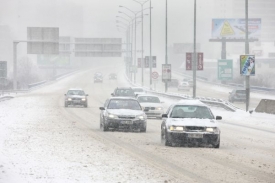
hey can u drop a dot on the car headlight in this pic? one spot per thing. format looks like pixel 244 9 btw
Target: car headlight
pixel 176 128
pixel 212 129
pixel 159 108
pixel 112 116
pixel 83 99
pixel 69 99
pixel 140 117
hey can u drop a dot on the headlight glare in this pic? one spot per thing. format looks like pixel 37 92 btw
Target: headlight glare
pixel 176 128
pixel 69 99
pixel 83 99
pixel 211 129
pixel 112 116
pixel 159 108
pixel 140 117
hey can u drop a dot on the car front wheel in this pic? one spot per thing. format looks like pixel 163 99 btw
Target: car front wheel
pixel 164 139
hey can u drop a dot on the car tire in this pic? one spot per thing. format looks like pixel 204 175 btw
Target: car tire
pixel 66 105
pixel 86 105
pixel 143 129
pixel 104 127
pixel 164 139
pixel 216 145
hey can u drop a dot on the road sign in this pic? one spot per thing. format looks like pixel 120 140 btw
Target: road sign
pixel 139 63
pixel 98 47
pixel 247 65
pixel 166 72
pixel 3 69
pixel 225 70
pixel 43 40
pixel 189 61
pixel 147 62
pixel 200 61
pixel 155 75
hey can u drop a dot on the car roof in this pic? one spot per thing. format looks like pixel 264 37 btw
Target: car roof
pixel 194 102
pixel 123 98
pixel 76 89
pixel 146 95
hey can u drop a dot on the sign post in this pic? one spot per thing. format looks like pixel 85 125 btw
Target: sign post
pixel 166 72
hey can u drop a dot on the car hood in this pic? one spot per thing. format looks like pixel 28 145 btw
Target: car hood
pixel 125 112
pixel 75 96
pixel 192 122
pixel 145 104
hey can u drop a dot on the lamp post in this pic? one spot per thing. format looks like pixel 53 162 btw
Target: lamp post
pixel 247 78
pixel 166 55
pixel 142 59
pixel 150 75
pixel 194 64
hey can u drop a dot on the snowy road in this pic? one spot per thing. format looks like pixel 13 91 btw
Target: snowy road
pixel 41 141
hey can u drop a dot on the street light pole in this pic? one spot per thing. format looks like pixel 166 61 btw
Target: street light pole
pixel 166 54
pixel 247 78
pixel 194 54
pixel 150 47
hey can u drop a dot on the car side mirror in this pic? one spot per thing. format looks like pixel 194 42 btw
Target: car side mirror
pixel 65 94
pixel 164 115
pixel 218 117
pixel 87 95
pixel 230 92
pixel 102 108
pixel 251 111
pixel 112 94
pixel 162 102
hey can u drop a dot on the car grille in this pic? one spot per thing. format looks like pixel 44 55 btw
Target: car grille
pixel 76 98
pixel 195 128
pixel 150 108
pixel 126 117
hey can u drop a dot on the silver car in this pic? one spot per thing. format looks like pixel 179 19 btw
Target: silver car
pixel 76 96
pixel 152 105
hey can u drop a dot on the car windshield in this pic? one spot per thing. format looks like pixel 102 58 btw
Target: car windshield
pixel 148 99
pixel 124 92
pixel 187 111
pixel 75 92
pixel 138 90
pixel 124 104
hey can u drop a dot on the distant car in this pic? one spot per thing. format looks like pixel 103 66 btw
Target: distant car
pixel 238 95
pixel 98 77
pixel 190 122
pixel 184 86
pixel 152 105
pixel 123 92
pixel 76 97
pixel 173 83
pixel 113 76
pixel 189 80
pixel 138 91
pixel 122 113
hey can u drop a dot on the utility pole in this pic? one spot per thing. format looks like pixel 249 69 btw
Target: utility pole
pixel 247 78
pixel 150 47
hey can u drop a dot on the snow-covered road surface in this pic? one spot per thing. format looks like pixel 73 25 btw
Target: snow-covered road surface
pixel 41 141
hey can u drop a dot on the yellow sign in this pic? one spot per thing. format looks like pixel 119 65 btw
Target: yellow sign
pixel 227 29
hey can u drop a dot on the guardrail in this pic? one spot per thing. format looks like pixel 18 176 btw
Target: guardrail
pixel 36 84
pixel 213 102
pixel 253 88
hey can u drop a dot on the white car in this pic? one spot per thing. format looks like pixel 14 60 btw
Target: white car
pixel 184 86
pixel 152 105
pixel 190 122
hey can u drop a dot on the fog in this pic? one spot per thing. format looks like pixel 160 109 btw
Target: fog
pixel 97 19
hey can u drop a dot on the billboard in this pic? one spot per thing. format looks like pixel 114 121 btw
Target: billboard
pixel 225 69
pixel 235 28
pixel 247 65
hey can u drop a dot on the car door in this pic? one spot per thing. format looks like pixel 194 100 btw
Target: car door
pixel 102 112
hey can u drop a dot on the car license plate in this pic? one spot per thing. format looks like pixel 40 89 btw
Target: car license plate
pixel 126 122
pixel 195 135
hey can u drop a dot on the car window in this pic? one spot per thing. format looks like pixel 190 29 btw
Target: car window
pixel 240 92
pixel 148 99
pixel 124 92
pixel 75 92
pixel 187 111
pixel 168 110
pixel 106 103
pixel 123 104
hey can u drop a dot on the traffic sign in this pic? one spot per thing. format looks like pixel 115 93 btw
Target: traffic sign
pixel 225 69
pixel 155 75
pixel 3 69
pixel 166 72
pixel 189 61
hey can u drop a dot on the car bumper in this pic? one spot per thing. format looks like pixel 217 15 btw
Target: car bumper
pixel 154 113
pixel 125 124
pixel 76 102
pixel 183 138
